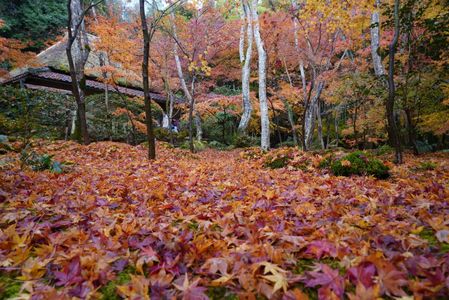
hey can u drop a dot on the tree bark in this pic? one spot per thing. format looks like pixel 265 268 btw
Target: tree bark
pixel 184 87
pixel 146 82
pixel 392 128
pixel 309 116
pixel 262 58
pixel 320 125
pixel 77 50
pixel 246 69
pixel 375 41
pixel 288 108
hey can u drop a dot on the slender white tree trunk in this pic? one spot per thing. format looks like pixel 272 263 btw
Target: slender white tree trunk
pixel 375 41
pixel 262 58
pixel 242 33
pixel 309 116
pixel 246 67
pixel 185 89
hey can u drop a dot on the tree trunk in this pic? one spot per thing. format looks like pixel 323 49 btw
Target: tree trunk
pixel 246 68
pixel 375 41
pixel 262 58
pixel 288 107
pixel 146 82
pixel 393 133
pixel 320 124
pixel 198 126
pixel 77 50
pixel 186 91
pixel 336 128
pixel 309 116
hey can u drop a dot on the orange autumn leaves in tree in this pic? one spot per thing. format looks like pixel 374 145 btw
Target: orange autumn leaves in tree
pixel 12 54
pixel 120 44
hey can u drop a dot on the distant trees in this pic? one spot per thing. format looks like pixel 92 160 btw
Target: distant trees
pixel 327 74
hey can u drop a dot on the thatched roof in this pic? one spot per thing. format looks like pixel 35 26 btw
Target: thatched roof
pixel 53 74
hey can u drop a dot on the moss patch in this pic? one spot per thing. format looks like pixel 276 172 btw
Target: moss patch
pixel 109 291
pixel 216 293
pixel 306 264
pixel 277 163
pixel 429 235
pixel 9 287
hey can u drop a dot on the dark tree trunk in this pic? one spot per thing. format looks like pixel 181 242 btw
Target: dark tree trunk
pixel 146 82
pixel 393 133
pixel 76 33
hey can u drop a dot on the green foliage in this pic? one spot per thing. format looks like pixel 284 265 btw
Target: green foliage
pixel 220 127
pixel 40 162
pixel 244 141
pixel 326 162
pixel 277 163
pixel 428 234
pixel 218 293
pixel 109 291
pixel 33 21
pixel 306 264
pixel 219 146
pixel 28 113
pixel 357 163
pixel 287 143
pixel 197 145
pixel 9 287
pixel 4 144
pixel 427 166
pixel 423 147
pixel 227 90
pixel 163 134
pixel 384 149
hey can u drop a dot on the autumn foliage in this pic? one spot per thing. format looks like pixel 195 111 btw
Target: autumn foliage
pixel 220 225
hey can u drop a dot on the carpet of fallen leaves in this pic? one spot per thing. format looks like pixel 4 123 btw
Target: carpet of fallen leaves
pixel 220 225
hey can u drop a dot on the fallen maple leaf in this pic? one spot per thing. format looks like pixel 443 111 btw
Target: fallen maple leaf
pixel 191 291
pixel 137 289
pixel 443 236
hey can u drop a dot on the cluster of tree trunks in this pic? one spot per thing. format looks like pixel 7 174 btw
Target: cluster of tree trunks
pixel 250 24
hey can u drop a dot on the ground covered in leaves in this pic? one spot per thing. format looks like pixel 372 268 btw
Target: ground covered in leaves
pixel 220 225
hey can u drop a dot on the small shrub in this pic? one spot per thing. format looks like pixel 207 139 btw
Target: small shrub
pixel 423 147
pixel 244 141
pixel 162 134
pixel 357 163
pixel 5 147
pixel 288 143
pixel 9 287
pixel 326 162
pixel 197 145
pixel 277 162
pixel 217 145
pixel 251 153
pixel 384 149
pixel 427 166
pixel 40 162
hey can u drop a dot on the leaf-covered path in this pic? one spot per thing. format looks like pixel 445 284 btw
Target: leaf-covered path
pixel 219 224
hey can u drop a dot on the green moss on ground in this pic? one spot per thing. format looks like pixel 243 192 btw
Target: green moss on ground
pixel 109 291
pixel 219 293
pixel 9 287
